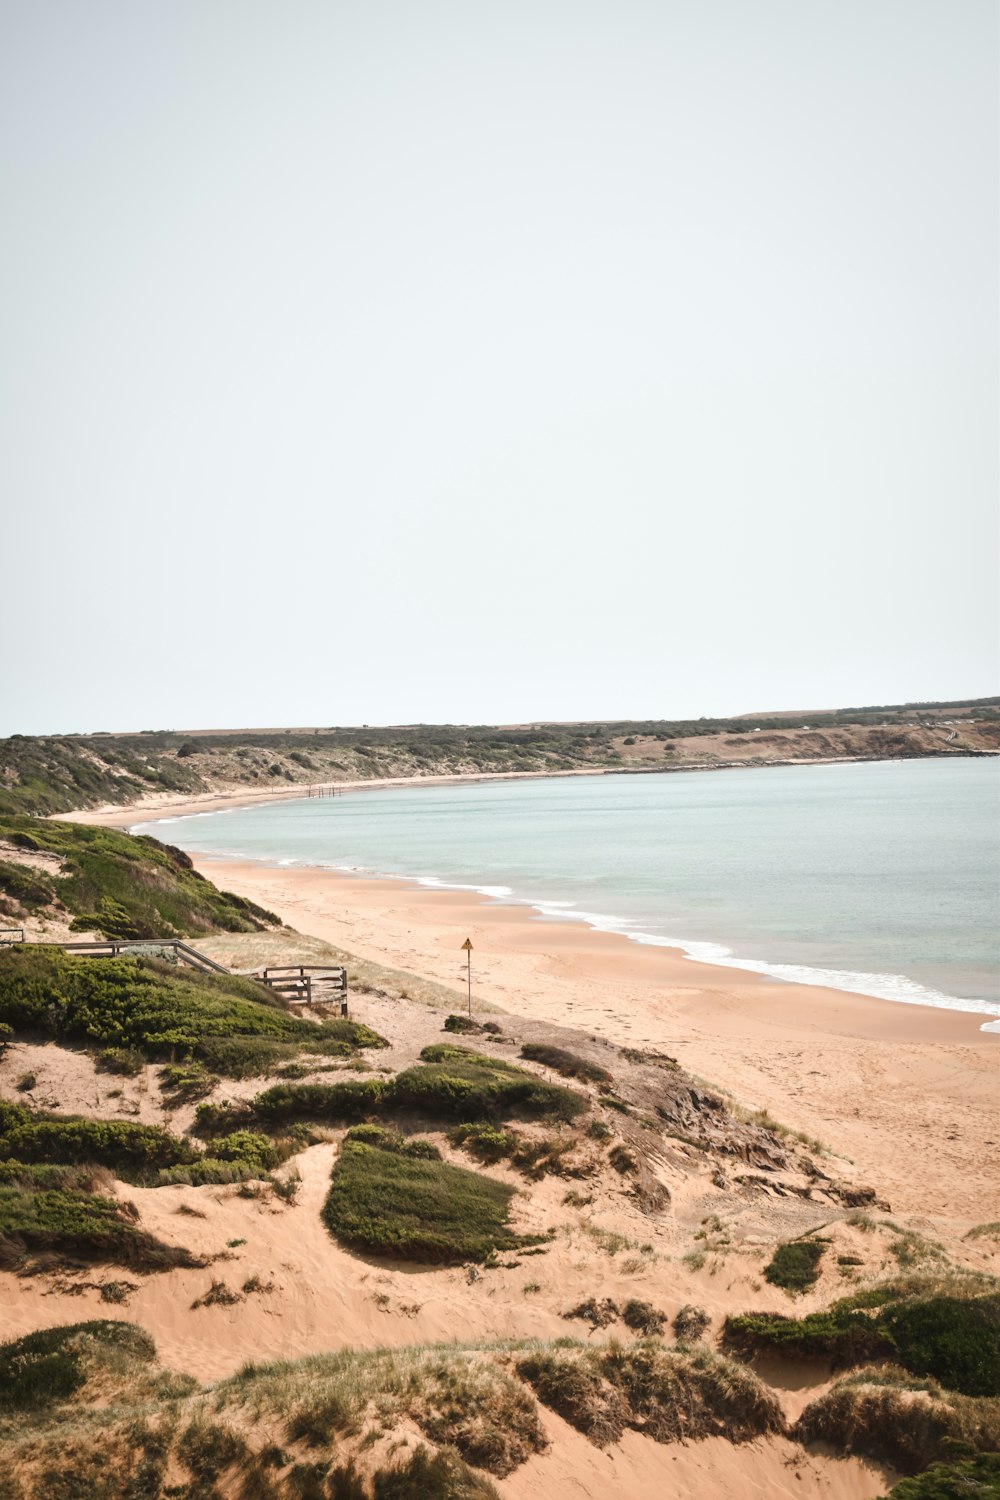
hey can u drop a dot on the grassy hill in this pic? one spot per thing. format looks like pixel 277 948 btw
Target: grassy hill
pixel 59 773
pixel 110 882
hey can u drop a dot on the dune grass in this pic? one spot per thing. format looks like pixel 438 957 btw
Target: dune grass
pixel 669 1394
pixel 50 1365
pixel 86 1414
pixel 900 1419
pixel 390 1196
pixel 460 1395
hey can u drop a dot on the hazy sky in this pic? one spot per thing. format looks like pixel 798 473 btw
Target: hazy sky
pixel 449 360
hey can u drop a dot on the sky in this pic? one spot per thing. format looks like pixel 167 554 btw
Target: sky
pixel 444 361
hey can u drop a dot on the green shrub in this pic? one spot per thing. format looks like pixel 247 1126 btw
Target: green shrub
pixel 34 1136
pixel 208 1172
pixel 450 1082
pixel 341 1103
pixel 487 1143
pixel 954 1339
pixel 79 1227
pixel 457 1083
pixel 31 889
pixel 795 1265
pixel 461 1025
pixel 48 1366
pixel 185 1082
pixel 227 1022
pixel 79 1179
pixel 389 1198
pixel 566 1063
pixel 247 1146
pixel 843 1334
pixel 245 1056
pixel 125 1061
pixel 126 887
pixel 976 1478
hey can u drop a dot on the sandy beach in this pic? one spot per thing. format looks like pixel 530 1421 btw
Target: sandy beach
pixel 908 1092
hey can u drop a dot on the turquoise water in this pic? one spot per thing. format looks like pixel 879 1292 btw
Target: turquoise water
pixel 880 878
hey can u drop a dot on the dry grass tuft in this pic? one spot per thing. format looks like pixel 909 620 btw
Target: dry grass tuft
pixel 899 1419
pixel 670 1394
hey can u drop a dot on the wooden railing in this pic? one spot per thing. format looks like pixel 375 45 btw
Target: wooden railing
pixel 146 948
pixel 308 984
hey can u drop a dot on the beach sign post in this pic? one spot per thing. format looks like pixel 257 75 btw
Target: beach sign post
pixel 467 950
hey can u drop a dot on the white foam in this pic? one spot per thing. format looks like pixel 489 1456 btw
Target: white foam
pixel 496 892
pixel 897 987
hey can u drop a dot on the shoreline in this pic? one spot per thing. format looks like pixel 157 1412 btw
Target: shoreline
pixel 158 811
pixel 124 815
pixel 885 1083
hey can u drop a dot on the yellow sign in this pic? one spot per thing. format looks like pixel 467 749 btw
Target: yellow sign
pixel 467 946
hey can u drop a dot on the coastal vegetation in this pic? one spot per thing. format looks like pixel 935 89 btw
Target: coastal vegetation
pixel 86 1408
pixel 459 1083
pixel 669 1394
pixel 396 1197
pixel 888 1415
pixel 51 1365
pixel 975 1478
pixel 59 773
pixel 566 1063
pixel 795 1265
pixel 34 1136
pixel 950 1334
pixel 143 1006
pixel 79 1228
pixel 450 1083
pixel 87 1411
pixel 104 881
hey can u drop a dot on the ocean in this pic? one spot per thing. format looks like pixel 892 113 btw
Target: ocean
pixel 881 878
